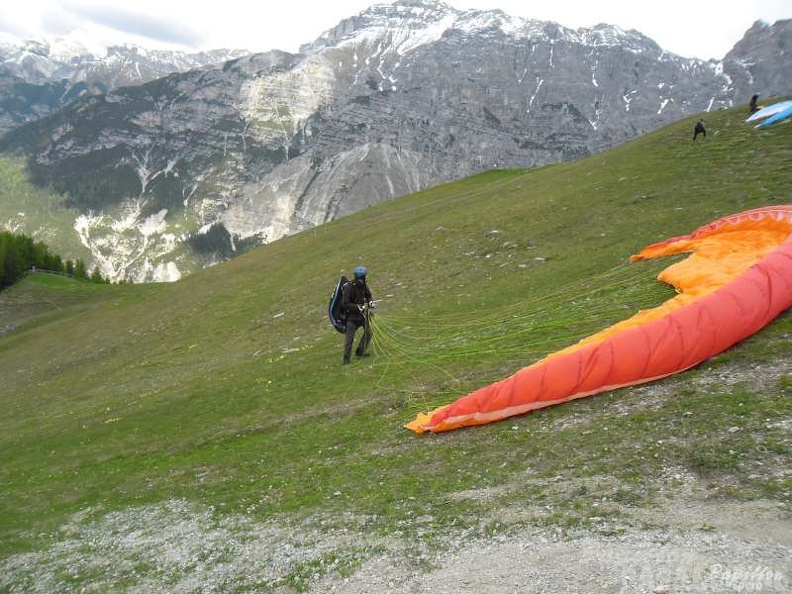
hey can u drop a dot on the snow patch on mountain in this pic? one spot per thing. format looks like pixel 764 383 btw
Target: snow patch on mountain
pixel 78 43
pixel 75 58
pixel 405 39
pixel 407 26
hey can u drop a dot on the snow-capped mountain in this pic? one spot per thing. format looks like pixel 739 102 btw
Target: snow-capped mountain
pixel 410 24
pixel 391 101
pixel 38 77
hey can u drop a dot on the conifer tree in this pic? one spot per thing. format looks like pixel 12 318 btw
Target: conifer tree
pixel 79 269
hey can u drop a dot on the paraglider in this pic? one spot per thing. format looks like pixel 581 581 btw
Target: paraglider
pixel 770 110
pixel 737 279
pixel 782 115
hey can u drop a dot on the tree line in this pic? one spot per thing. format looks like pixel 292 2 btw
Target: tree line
pixel 19 254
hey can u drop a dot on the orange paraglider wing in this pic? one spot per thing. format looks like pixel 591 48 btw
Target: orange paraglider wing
pixel 737 279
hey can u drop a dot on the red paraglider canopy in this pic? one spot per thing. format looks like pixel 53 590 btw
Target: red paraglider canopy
pixel 737 279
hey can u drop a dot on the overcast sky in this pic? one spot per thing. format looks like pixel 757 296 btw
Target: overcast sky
pixel 691 28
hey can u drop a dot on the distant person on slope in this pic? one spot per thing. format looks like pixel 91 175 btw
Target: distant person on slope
pixel 699 129
pixel 753 106
pixel 355 301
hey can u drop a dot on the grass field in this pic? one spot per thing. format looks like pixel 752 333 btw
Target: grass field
pixel 225 391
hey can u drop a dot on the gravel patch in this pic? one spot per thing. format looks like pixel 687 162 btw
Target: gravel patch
pixel 700 547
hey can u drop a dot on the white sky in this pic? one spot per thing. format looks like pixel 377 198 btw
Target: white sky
pixel 691 28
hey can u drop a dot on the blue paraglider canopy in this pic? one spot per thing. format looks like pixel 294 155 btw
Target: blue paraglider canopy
pixel 770 110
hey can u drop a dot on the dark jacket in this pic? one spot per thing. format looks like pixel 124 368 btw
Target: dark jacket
pixel 355 293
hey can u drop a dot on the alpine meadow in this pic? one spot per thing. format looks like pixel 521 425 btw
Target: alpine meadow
pixel 203 435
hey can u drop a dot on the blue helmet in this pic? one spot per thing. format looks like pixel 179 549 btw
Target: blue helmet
pixel 361 272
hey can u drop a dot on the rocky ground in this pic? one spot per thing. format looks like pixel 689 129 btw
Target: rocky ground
pixel 706 547
pixel 694 546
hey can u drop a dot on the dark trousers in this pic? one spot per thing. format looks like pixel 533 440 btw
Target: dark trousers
pixel 353 323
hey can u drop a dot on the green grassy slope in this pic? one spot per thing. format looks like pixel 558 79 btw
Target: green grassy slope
pixel 37 212
pixel 226 388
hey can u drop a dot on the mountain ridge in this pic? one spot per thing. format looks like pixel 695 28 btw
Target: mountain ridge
pixel 392 101
pixel 65 68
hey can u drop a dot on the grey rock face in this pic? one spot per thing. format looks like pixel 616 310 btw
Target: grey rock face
pixel 395 100
pixel 761 62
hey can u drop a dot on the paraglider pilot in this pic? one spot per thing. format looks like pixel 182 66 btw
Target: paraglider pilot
pixel 753 107
pixel 699 129
pixel 356 300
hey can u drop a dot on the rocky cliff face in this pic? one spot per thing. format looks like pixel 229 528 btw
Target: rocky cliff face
pixel 392 101
pixel 761 62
